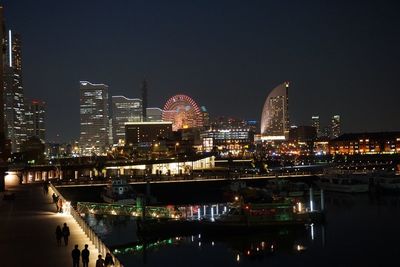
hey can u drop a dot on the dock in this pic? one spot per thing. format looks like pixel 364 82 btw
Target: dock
pixel 31 218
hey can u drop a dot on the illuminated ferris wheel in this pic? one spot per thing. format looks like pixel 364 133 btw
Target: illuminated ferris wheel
pixel 183 112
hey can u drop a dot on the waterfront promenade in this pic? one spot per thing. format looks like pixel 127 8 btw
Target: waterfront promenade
pixel 174 179
pixel 27 230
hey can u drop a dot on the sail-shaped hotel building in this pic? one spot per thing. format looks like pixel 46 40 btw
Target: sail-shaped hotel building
pixel 275 114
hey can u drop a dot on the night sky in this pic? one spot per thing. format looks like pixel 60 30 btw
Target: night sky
pixel 342 57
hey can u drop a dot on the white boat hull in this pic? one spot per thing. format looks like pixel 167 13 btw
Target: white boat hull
pixel 356 188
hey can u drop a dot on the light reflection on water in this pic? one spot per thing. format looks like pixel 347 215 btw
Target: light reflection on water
pixel 233 248
pixel 361 230
pixel 113 230
pixel 209 249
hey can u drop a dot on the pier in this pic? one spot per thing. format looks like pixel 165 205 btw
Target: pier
pixel 190 212
pixel 176 179
pixel 31 219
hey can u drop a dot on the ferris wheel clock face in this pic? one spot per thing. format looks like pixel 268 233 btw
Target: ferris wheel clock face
pixel 183 112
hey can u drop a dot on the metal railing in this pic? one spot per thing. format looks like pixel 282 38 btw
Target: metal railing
pixel 126 210
pixel 90 233
pixel 186 178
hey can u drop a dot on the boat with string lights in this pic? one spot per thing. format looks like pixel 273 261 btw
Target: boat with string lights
pixel 259 215
pixel 242 216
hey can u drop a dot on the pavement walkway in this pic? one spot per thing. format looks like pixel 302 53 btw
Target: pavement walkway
pixel 27 230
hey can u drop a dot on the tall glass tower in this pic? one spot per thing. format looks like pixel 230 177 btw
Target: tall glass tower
pixel 13 92
pixel 335 126
pixel 93 118
pixel 316 124
pixel 35 111
pixel 3 152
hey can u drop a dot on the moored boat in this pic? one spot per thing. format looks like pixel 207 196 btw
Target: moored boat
pixel 252 210
pixel 343 184
pixel 284 188
pixel 279 212
pixel 390 184
pixel 119 191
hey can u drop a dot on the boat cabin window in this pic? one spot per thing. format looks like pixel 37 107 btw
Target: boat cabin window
pixel 234 211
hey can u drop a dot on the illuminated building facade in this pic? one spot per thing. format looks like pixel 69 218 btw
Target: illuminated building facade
pixel 229 136
pixel 335 126
pixel 301 140
pixel 57 150
pixel 366 143
pixel 13 92
pixel 233 140
pixel 227 122
pixel 144 100
pixel 183 112
pixel 35 111
pixel 321 146
pixel 145 134
pixel 275 114
pixel 205 115
pixel 3 151
pixel 124 110
pixel 326 132
pixel 93 118
pixel 164 167
pixel 315 122
pixel 154 114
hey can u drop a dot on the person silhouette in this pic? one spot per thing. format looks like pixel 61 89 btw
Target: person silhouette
pixel 45 188
pixel 65 233
pixel 59 235
pixel 108 260
pixel 60 205
pixel 100 262
pixel 75 256
pixel 55 201
pixel 85 256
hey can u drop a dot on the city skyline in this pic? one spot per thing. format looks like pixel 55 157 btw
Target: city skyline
pixel 211 133
pixel 338 57
pixel 94 121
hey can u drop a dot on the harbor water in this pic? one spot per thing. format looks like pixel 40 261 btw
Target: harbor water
pixel 360 230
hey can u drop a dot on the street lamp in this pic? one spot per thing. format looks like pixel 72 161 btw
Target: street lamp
pixel 176 145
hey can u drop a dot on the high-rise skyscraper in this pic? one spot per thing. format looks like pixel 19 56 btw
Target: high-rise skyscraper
pixel 3 153
pixel 144 100
pixel 335 126
pixel 124 110
pixel 93 118
pixel 35 111
pixel 13 92
pixel 205 115
pixel 316 124
pixel 275 114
